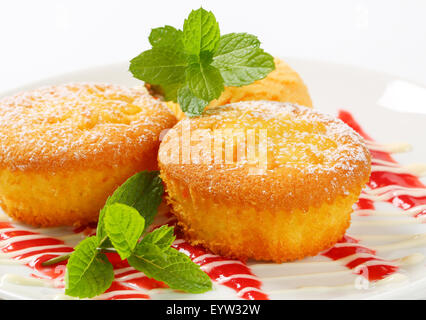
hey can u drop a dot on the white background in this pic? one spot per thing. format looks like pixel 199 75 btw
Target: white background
pixel 44 38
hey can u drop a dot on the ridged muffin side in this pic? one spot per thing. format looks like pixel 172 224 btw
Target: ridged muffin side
pixel 64 149
pixel 295 204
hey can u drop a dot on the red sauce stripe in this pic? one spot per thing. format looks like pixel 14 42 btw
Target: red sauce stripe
pixel 226 270
pixel 117 286
pixel 10 234
pixel 380 179
pixel 4 225
pixel 59 251
pixel 337 253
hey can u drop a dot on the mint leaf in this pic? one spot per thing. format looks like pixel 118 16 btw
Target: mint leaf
pixel 143 191
pixel 200 32
pixel 149 249
pixel 205 81
pixel 89 273
pixel 244 72
pixel 124 226
pixel 169 91
pixel 189 103
pixel 235 46
pixel 166 36
pixel 162 237
pixel 240 60
pixel 171 267
pixel 160 65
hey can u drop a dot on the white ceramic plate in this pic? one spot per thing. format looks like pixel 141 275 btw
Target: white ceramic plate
pixel 390 110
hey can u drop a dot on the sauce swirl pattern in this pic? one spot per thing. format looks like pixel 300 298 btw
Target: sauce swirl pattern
pixel 389 182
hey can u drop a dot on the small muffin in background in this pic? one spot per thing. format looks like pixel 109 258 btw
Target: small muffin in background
pixel 64 149
pixel 283 84
pixel 263 180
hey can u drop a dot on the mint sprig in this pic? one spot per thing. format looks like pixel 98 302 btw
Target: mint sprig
pixel 122 228
pixel 192 66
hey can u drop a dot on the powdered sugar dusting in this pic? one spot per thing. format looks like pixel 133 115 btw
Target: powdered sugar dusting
pixel 77 121
pixel 298 137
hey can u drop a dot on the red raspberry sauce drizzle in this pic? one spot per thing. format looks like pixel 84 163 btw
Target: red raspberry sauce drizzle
pixel 371 272
pixel 380 179
pixel 126 279
pixel 231 273
pixel 132 284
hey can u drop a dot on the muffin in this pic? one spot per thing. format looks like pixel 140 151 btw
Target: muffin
pixel 64 149
pixel 283 84
pixel 292 200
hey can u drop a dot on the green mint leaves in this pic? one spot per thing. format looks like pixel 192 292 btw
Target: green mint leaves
pixel 162 65
pixel 154 257
pixel 143 191
pixel 240 59
pixel 89 272
pixel 192 66
pixel 167 36
pixel 162 237
pixel 170 266
pixel 200 32
pixel 123 225
pixel 122 222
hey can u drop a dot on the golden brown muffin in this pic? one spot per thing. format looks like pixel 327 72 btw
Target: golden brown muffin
pixel 283 84
pixel 64 149
pixel 295 201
